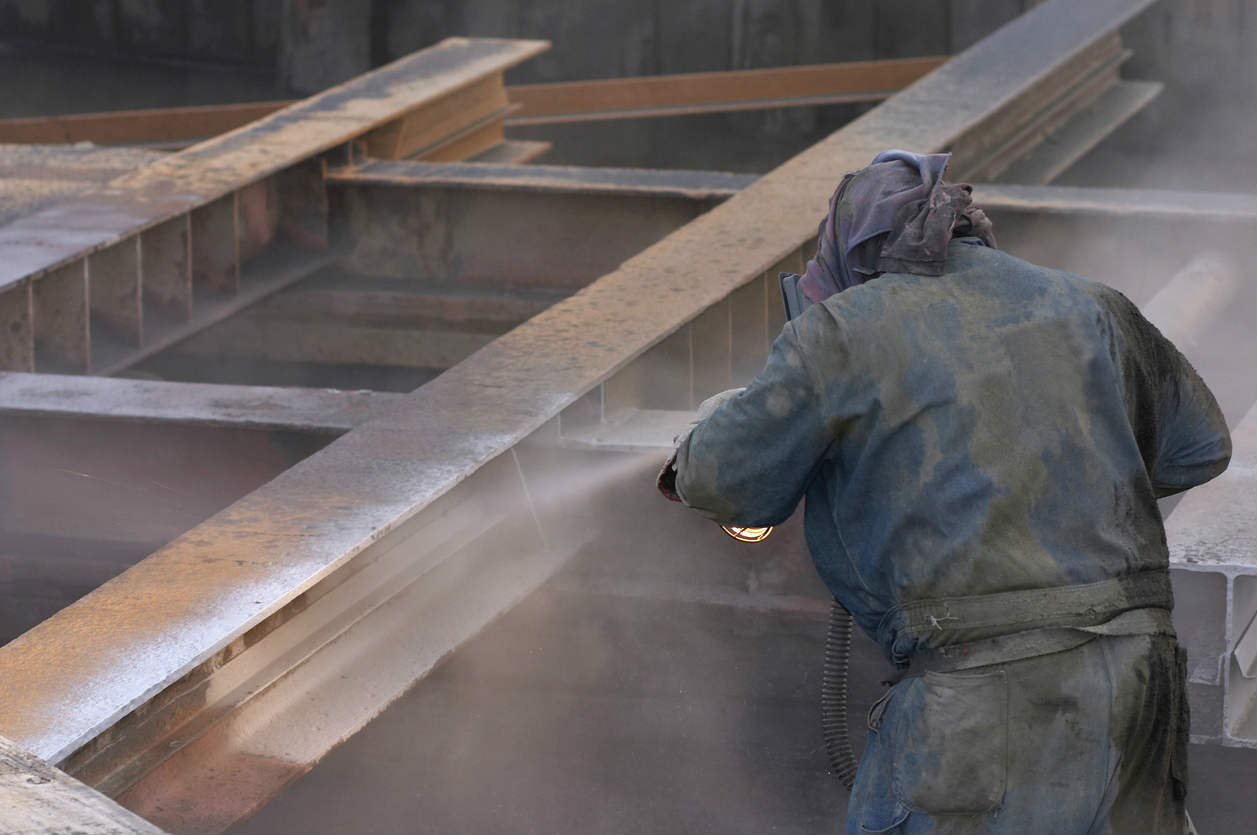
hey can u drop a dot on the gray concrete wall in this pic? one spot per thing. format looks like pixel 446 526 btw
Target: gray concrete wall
pixel 1194 44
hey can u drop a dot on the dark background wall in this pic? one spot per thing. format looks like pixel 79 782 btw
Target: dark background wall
pixel 234 50
pixel 1201 43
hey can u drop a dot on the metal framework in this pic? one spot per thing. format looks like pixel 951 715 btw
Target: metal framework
pixel 428 511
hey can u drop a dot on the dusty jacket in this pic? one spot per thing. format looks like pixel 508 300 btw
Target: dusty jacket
pixel 999 427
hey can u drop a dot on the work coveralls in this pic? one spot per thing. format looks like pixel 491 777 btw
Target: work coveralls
pixel 982 452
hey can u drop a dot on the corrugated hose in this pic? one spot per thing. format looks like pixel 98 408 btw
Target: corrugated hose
pixel 834 727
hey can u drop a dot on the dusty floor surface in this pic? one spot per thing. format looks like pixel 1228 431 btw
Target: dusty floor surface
pixel 668 680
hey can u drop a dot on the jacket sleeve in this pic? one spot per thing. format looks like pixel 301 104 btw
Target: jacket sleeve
pixel 751 461
pixel 1181 431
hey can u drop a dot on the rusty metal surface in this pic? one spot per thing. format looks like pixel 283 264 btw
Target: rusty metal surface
pixel 717 92
pixel 75 675
pixel 37 799
pixel 202 404
pixel 35 176
pixel 214 168
pixel 559 179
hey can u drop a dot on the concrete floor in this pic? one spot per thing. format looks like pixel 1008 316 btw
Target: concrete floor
pixel 667 680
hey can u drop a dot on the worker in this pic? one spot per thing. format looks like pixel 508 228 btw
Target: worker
pixel 982 443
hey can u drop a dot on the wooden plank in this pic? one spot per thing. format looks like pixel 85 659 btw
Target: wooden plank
pixel 38 799
pixel 715 91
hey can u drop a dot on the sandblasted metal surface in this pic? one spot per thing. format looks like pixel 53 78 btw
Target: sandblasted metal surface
pixel 76 674
pixel 212 169
pixel 39 799
pixel 205 404
pixel 35 176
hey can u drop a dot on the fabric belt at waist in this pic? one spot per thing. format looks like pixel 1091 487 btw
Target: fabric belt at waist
pixel 1035 642
pixel 1072 610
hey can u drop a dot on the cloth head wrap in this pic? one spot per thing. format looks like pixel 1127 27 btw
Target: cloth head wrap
pixel 896 215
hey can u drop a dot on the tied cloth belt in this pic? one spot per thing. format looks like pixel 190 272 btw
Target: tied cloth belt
pixel 959 633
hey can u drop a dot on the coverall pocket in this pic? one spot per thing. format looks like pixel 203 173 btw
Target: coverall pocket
pixel 951 744
pixel 1183 726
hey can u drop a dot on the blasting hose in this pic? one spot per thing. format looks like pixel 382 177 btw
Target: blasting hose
pixel 834 727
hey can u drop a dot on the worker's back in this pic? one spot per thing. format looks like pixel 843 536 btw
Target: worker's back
pixel 982 443
pixel 991 429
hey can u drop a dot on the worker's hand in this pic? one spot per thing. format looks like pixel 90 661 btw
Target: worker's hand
pixel 667 480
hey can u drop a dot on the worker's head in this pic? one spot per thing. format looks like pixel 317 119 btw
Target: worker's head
pixel 895 215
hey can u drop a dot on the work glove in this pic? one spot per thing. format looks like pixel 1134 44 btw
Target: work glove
pixel 667 480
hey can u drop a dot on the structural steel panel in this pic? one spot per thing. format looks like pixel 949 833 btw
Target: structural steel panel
pixel 38 799
pixel 71 679
pixel 242 193
pixel 217 167
pixel 714 92
pixel 195 404
pixel 1212 538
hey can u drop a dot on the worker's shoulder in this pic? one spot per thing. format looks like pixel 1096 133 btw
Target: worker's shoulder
pixel 1004 275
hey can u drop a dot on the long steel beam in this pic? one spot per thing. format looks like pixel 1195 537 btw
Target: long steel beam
pixel 39 799
pixel 71 689
pixel 133 266
pixel 715 92
pixel 558 102
pixel 320 411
